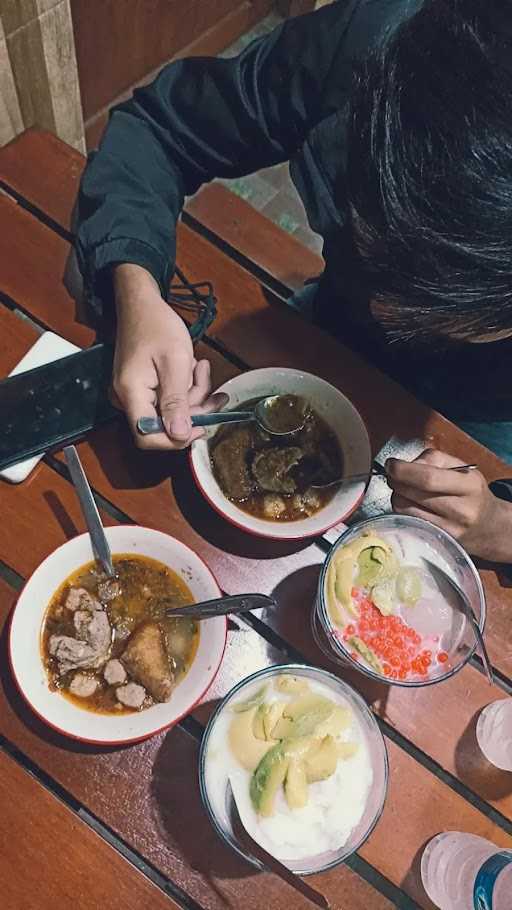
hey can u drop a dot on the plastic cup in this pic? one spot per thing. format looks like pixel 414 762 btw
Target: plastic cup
pixel 494 733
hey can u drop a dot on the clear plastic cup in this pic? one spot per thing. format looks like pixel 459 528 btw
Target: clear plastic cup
pixel 456 862
pixel 212 788
pixel 458 639
pixel 494 733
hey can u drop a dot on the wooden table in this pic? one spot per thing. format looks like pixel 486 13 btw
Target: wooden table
pixel 91 827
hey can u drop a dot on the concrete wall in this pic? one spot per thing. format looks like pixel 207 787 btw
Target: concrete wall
pixel 38 72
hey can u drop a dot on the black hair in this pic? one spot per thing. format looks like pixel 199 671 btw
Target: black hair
pixel 429 176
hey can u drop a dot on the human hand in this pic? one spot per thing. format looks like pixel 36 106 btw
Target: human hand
pixel 459 502
pixel 155 371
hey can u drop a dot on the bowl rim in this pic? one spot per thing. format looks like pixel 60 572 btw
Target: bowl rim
pixel 343 655
pixel 275 669
pixel 88 739
pixel 261 532
pixel 254 533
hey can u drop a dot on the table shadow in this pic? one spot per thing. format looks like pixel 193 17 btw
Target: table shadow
pixel 61 514
pixel 412 883
pixel 182 818
pixel 475 771
pixel 292 612
pixel 125 466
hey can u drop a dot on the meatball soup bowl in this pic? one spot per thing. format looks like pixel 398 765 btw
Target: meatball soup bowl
pixel 103 632
pixel 338 427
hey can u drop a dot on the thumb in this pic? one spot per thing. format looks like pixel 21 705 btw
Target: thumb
pixel 175 379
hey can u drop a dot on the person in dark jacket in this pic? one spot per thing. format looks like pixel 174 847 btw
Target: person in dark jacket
pixel 396 118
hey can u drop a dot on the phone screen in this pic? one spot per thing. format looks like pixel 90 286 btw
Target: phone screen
pixel 45 408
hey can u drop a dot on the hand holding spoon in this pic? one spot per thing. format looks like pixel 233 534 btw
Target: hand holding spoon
pixel 278 415
pixel 376 470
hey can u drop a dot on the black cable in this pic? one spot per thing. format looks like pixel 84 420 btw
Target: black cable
pixel 196 298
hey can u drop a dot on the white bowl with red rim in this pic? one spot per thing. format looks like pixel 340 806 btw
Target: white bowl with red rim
pixel 27 622
pixel 341 416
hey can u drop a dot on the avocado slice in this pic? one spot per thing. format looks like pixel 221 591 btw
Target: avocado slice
pixel 296 785
pixel 292 685
pixel 298 748
pixel 321 762
pixel 267 716
pixel 253 701
pixel 344 569
pixel 371 562
pixel 383 596
pixel 369 656
pixel 302 715
pixel 245 747
pixel 339 720
pixel 267 778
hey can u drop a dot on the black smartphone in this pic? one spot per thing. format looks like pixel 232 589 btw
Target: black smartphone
pixel 56 404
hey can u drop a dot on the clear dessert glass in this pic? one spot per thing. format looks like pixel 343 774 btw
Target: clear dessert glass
pixel 218 809
pixel 458 639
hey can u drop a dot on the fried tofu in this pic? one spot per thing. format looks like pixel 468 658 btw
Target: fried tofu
pixel 145 658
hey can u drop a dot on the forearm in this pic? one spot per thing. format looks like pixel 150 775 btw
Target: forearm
pixel 132 283
pixel 202 118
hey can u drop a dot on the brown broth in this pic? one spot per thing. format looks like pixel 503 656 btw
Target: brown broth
pixel 317 437
pixel 148 587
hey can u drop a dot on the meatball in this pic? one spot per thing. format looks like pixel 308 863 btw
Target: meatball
pixel 132 695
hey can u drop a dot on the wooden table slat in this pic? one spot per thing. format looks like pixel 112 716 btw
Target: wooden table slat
pixel 49 858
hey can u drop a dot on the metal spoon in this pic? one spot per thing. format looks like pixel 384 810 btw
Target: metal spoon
pixel 377 470
pixel 468 611
pixel 221 606
pixel 266 859
pixel 90 512
pixel 262 414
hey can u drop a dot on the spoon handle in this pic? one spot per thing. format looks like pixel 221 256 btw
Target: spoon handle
pixel 90 512
pixel 221 606
pixel 149 425
pixel 380 470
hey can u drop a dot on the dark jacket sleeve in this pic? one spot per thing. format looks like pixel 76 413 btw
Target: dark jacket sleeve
pixel 201 118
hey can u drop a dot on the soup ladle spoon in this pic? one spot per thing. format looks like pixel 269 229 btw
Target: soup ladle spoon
pixel 278 415
pixel 90 512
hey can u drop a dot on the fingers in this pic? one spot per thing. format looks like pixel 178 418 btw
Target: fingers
pixel 175 376
pixel 139 401
pixel 445 507
pixel 201 383
pixel 200 399
pixel 428 475
pixel 176 387
pixel 136 391
pixel 404 506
